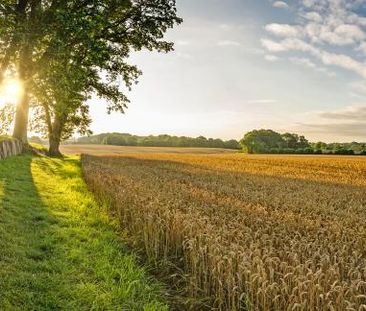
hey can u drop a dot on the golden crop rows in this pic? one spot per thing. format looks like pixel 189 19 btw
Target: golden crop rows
pixel 247 232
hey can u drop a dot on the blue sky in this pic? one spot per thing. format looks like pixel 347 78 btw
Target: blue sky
pixel 242 64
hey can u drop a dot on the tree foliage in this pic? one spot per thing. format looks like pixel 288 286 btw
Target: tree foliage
pixel 122 139
pixel 269 141
pixel 72 49
pixel 6 119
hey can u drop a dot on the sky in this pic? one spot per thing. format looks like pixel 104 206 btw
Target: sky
pixel 238 65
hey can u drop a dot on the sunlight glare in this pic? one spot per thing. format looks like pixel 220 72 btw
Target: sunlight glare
pixel 10 92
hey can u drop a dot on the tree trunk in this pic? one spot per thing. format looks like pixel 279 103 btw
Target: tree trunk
pixel 54 149
pixel 21 119
pixel 24 65
pixel 55 137
pixel 22 111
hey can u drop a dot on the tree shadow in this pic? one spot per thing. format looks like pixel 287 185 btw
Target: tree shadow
pixel 58 249
pixel 27 241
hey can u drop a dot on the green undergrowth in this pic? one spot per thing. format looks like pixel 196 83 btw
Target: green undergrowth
pixel 5 138
pixel 58 248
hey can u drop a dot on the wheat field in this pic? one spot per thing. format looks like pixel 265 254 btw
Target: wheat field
pixel 239 232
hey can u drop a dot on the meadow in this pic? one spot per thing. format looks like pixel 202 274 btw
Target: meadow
pixel 238 232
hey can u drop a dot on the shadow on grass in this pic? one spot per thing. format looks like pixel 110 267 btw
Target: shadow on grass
pixel 58 248
pixel 27 241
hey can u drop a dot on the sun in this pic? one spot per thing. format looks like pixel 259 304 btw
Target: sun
pixel 10 91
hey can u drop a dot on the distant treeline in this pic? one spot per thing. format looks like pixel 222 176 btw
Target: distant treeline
pixel 122 139
pixel 271 142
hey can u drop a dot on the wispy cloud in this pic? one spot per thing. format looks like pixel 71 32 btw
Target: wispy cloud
pixel 228 43
pixel 349 130
pixel 271 58
pixel 322 26
pixel 351 113
pixel 283 30
pixel 347 122
pixel 183 43
pixel 327 58
pixel 262 101
pixel 280 5
pixel 306 62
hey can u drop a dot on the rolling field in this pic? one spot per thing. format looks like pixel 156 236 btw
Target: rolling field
pixel 238 232
pixel 121 150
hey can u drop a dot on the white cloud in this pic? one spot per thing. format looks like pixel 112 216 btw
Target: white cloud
pixel 327 58
pixel 280 5
pixel 350 131
pixel 313 16
pixel 262 101
pixel 303 61
pixel 358 87
pixel 283 30
pixel 228 43
pixel 362 47
pixel 273 46
pixel 306 62
pixel 271 58
pixel 292 44
pixel 323 26
pixel 254 51
pixel 183 43
pixel 185 56
pixel 349 122
pixel 343 34
pixel 351 113
pixel 225 27
pixel 309 3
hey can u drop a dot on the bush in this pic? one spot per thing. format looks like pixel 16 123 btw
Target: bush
pixel 309 150
pixel 343 151
pixel 274 151
pixel 288 151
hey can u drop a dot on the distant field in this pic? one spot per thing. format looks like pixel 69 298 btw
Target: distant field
pixel 120 150
pixel 247 232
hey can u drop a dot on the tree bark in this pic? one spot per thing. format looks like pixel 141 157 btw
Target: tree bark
pixel 22 111
pixel 21 119
pixel 55 136
pixel 54 149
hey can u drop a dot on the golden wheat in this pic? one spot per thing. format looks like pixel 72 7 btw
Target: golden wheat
pixel 246 232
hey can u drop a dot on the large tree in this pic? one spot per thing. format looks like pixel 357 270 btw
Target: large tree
pixel 66 50
pixel 261 141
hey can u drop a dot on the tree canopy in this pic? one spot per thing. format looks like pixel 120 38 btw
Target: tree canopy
pixel 123 139
pixel 269 141
pixel 65 51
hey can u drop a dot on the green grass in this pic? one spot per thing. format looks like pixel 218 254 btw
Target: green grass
pixel 4 138
pixel 58 248
pixel 39 147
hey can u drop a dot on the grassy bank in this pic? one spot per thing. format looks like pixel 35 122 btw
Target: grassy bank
pixel 58 249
